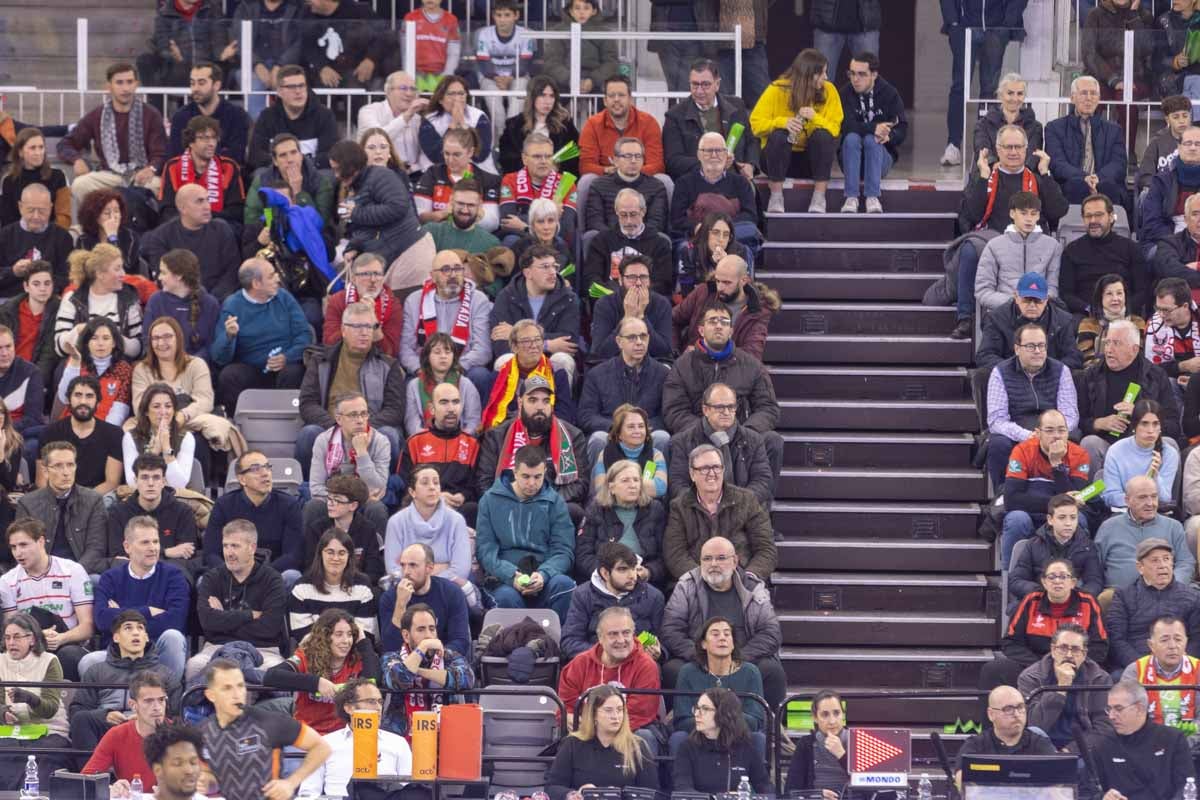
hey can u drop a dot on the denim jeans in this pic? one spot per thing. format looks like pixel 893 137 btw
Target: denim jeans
pixel 171 648
pixel 863 152
pixel 755 74
pixel 987 50
pixel 255 103
pixel 968 265
pixel 831 45
pixel 555 595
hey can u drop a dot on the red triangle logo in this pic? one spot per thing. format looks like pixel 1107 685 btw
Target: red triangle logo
pixel 871 751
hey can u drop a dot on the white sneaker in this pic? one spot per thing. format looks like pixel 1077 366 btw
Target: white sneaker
pixel 817 204
pixel 850 206
pixel 775 203
pixel 951 156
pixel 874 206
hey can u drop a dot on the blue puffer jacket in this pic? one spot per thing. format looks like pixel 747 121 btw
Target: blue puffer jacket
pixel 985 14
pixel 509 530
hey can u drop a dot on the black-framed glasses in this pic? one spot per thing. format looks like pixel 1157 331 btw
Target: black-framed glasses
pixel 253 468
pixel 1010 711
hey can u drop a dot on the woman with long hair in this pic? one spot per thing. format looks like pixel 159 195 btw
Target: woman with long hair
pixel 820 758
pixel 797 120
pixel 719 752
pixel 439 364
pixel 543 113
pixel 97 354
pixel 449 108
pixel 380 150
pixel 100 291
pixel 711 242
pixel 629 438
pixel 459 148
pixel 333 580
pixel 30 164
pixel 603 751
pixel 1145 453
pixel 183 299
pixel 11 450
pixel 717 663
pixel 333 652
pixel 545 228
pixel 104 218
pixel 158 430
pixel 25 657
pixel 623 510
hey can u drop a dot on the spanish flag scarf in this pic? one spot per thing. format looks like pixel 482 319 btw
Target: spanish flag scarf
pixel 504 390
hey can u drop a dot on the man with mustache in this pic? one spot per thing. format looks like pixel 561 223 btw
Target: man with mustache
pixel 97 443
pixel 1058 713
pixel 444 445
pixel 1102 252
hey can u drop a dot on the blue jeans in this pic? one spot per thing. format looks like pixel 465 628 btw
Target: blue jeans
pixel 831 45
pixel 256 103
pixel 555 595
pixel 755 74
pixel 1020 525
pixel 998 450
pixel 987 50
pixel 968 264
pixel 482 379
pixel 171 647
pixel 865 154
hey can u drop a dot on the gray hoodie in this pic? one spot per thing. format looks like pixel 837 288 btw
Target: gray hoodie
pixel 1009 256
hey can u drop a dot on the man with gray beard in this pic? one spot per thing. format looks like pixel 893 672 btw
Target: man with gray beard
pixel 720 588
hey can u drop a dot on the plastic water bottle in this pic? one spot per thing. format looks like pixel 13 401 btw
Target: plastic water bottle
pixel 744 790
pixel 925 788
pixel 135 788
pixel 1189 789
pixel 31 787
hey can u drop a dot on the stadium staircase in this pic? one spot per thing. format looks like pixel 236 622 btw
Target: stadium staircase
pixel 883 582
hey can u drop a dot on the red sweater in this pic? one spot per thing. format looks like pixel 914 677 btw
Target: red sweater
pixel 121 752
pixel 637 672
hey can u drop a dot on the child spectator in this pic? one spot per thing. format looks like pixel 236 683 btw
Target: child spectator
pixel 438 47
pixel 498 49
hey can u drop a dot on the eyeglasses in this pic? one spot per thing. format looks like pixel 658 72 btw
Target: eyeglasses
pixel 722 408
pixel 532 341
pixel 1059 576
pixel 449 270
pixel 1165 311
pixel 721 559
pixel 704 709
pixel 374 273
pixel 63 467
pixel 1069 649
pixel 361 326
pixel 1011 146
pixel 719 322
pixel 1034 347
pixel 629 156
pixel 374 702
pixel 16 637
pixel 637 278
pixel 257 468
pixel 405 87
pixel 713 151
pixel 1113 711
pixel 702 84
pixel 637 337
pixel 711 470
pixel 293 87
pixel 1010 711
pixel 337 500
pixel 631 214
pixel 355 414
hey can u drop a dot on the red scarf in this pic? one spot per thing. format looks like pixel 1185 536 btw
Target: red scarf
pixel 338 451
pixel 421 702
pixel 428 310
pixel 212 179
pixel 1028 184
pixel 527 191
pixel 383 303
pixel 562 454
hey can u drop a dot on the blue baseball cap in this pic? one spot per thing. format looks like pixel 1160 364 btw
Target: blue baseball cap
pixel 1032 285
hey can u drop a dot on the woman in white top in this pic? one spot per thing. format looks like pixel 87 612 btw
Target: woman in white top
pixel 159 431
pixel 450 107
pixel 99 278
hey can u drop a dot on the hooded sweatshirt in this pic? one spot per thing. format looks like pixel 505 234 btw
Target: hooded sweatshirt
pixel 1009 256
pixel 508 530
pixel 261 591
pixel 645 603
pixel 638 671
pixel 316 128
pixel 445 532
pixel 115 669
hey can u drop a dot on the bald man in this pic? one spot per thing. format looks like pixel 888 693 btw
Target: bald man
pixel 33 237
pixel 194 228
pixel 1008 735
pixel 448 302
pixel 750 304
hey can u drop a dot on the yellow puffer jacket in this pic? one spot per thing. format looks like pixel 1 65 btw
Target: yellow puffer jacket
pixel 771 112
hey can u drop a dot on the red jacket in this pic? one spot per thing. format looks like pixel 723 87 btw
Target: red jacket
pixel 390 343
pixel 599 137
pixel 637 672
pixel 1034 623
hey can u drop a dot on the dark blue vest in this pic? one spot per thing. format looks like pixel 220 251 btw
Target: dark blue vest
pixel 1029 396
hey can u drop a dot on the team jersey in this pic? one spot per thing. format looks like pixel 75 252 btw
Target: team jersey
pixel 502 54
pixel 64 587
pixel 433 39
pixel 437 184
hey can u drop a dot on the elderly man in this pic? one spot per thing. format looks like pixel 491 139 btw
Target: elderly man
pixel 1020 389
pixel 743 453
pixel 1177 255
pixel 1055 713
pixel 1030 305
pixel 629 154
pixel 1008 735
pixel 617 656
pixel 33 238
pixel 985 202
pixel 126 134
pixel 399 114
pixel 354 364
pixel 1104 411
pixel 713 507
pixel 200 164
pixel 619 119
pixel 637 300
pixel 606 252
pixel 1160 207
pixel 709 109
pixel 628 377
pixel 873 128
pixel 462 229
pixel 1155 593
pixel 1138 759
pixel 537 178
pixel 717 586
pixel 212 241
pixel 1087 152
pixel 364 282
pixel 1167 664
pixel 261 335
pixel 712 186
pixel 308 186
pixel 1101 252
pixel 449 302
pixel 298 112
pixel 1121 535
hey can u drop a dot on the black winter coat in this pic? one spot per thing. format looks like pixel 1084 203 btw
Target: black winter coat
pixel 600 525
pixel 1155 386
pixel 683 127
pixel 1000 329
pixel 559 315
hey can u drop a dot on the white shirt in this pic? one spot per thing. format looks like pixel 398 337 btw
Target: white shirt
pixel 333 777
pixel 65 586
pixel 403 132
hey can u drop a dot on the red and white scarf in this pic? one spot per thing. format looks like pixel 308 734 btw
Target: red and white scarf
pixel 212 178
pixel 526 189
pixel 383 301
pixel 462 321
pixel 422 702
pixel 337 452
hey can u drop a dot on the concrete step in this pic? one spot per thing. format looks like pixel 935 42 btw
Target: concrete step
pixel 872 383
pixel 885 667
pixel 891 591
pixel 827 285
pixel 933 522
pixel 949 416
pixel 872 319
pixel 864 483
pixel 853 257
pixel 837 550
pixel 889 227
pixel 798 348
pixel 891 628
pixel 838 449
pixel 924 198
